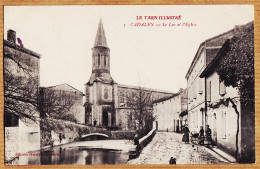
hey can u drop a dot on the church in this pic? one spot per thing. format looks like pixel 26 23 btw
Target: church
pixel 106 103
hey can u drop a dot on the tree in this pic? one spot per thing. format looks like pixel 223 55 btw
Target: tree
pixel 56 104
pixel 140 103
pixel 20 86
pixel 21 92
pixel 236 66
pixel 236 69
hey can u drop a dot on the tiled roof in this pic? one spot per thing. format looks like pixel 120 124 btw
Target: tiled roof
pixel 165 98
pixel 22 49
pixel 211 63
pixel 62 85
pixel 211 54
pixel 212 46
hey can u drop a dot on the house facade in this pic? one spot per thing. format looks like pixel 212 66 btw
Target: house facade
pixel 21 84
pixel 66 96
pixel 221 116
pixel 231 121
pixel 196 85
pixel 167 111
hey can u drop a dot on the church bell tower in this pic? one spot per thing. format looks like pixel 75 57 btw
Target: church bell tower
pixel 100 89
pixel 100 58
pixel 101 55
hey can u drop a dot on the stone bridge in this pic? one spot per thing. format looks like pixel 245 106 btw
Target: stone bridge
pixel 94 133
pixel 99 132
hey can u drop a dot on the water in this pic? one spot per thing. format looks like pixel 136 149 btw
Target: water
pixel 74 155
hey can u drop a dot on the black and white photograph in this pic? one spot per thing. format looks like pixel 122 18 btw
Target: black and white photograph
pixel 129 84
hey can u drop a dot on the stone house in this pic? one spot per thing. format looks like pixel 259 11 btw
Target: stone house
pixel 106 101
pixel 61 104
pixel 65 93
pixel 196 85
pixel 231 123
pixel 21 87
pixel 168 110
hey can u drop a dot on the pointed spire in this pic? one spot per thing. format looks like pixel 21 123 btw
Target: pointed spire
pixel 100 37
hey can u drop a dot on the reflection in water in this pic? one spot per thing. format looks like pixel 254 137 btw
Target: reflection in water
pixel 76 155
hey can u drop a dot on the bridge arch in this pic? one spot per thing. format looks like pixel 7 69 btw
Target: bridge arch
pixel 94 136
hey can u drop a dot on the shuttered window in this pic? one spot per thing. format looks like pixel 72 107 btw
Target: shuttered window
pixel 222 88
pixel 195 89
pixel 209 91
pixel 200 85
pixel 223 125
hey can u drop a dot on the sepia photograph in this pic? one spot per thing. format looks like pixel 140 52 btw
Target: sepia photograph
pixel 129 84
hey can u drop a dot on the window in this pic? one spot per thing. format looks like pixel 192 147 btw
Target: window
pixel 105 60
pixel 200 86
pixel 11 120
pixel 223 125
pixel 195 89
pixel 222 88
pixel 131 116
pixel 122 97
pixel 209 91
pixel 98 59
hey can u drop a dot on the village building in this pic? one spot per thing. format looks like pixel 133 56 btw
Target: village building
pixel 61 104
pixel 231 123
pixel 65 95
pixel 21 84
pixel 107 101
pixel 168 110
pixel 196 85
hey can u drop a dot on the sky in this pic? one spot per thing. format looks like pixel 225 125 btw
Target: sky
pixel 156 57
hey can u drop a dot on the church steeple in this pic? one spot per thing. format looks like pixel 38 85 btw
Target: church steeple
pixel 100 58
pixel 100 37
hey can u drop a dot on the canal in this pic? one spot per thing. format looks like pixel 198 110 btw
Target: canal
pixel 80 153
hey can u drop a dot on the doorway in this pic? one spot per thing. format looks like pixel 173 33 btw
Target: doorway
pixel 214 127
pixel 105 118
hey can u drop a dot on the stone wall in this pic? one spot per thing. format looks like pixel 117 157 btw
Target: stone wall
pixel 64 94
pixel 53 130
pixel 11 142
pixel 21 72
pixel 123 135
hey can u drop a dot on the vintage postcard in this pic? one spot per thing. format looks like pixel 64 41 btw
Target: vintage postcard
pixel 104 84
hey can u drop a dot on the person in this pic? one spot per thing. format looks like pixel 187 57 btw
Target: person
pixel 60 137
pixel 208 136
pixel 172 160
pixel 182 128
pixel 136 141
pixel 201 136
pixel 186 132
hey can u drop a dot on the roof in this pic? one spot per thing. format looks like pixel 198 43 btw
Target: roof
pixel 22 49
pixel 60 85
pixel 211 47
pixel 144 88
pixel 103 78
pixel 100 37
pixel 213 62
pixel 166 98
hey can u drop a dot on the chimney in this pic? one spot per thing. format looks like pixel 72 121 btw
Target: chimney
pixel 11 36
